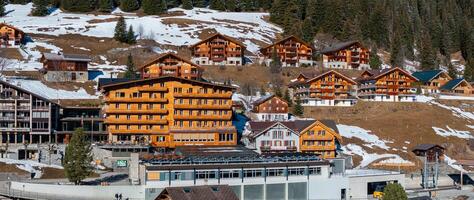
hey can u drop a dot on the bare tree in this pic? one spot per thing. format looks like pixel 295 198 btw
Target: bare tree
pixel 4 62
pixel 140 31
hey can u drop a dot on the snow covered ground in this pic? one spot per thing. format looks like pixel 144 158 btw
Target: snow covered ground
pixel 182 29
pixel 29 165
pixel 452 132
pixel 37 87
pixel 368 158
pixel 365 135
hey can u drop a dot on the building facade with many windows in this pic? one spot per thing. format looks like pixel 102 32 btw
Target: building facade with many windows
pixel 170 64
pixel 168 112
pixel 218 49
pixel 292 52
pixel 346 55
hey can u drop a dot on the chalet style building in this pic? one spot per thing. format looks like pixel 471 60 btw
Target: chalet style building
pixel 170 64
pixel 330 88
pixel 432 80
pixel 270 108
pixel 10 36
pixel 307 136
pixel 25 117
pixel 168 112
pixel 393 84
pixel 59 67
pixel 292 51
pixel 346 55
pixel 458 87
pixel 218 49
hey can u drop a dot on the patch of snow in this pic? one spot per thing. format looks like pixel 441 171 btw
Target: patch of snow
pixel 81 48
pixel 367 158
pixel 396 160
pixel 452 132
pixel 407 142
pixel 451 162
pixel 453 97
pixel 458 112
pixel 40 89
pixel 29 165
pixel 423 98
pixel 470 126
pixel 365 135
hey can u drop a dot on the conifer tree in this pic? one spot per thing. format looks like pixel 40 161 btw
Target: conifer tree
pixel 40 7
pixel 79 5
pixel 129 5
pixel 288 98
pixel 216 4
pixel 277 91
pixel 452 71
pixel 231 5
pixel 298 109
pixel 262 90
pixel 187 4
pixel 307 31
pixel 154 7
pixel 275 64
pixel 105 5
pixel 427 56
pixel 2 7
pixel 131 72
pixel 131 37
pixel 200 3
pixel 120 30
pixel 469 71
pixel 394 191
pixel 374 61
pixel 78 157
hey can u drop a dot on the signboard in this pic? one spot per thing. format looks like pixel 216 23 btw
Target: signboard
pixel 122 163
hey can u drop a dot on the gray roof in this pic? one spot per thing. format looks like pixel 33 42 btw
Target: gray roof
pixel 263 99
pixel 67 57
pixel 208 192
pixel 297 126
pixel 424 147
pixel 338 46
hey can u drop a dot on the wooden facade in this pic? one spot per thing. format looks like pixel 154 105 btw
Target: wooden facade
pixel 270 108
pixel 347 55
pixel 292 51
pixel 432 80
pixel 64 62
pixel 218 49
pixel 459 87
pixel 321 139
pixel 330 88
pixel 169 112
pixel 10 36
pixel 171 64
pixel 394 84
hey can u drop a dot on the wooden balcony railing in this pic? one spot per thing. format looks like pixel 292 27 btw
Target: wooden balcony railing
pixel 203 117
pixel 278 148
pixel 136 122
pixel 203 106
pixel 153 89
pixel 202 95
pixel 136 100
pixel 137 131
pixel 317 147
pixel 136 111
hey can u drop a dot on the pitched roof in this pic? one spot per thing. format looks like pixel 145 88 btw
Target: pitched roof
pixel 375 74
pixel 66 57
pixel 427 76
pixel 140 81
pixel 339 46
pixel 265 98
pixel 107 81
pixel 172 55
pixel 450 85
pixel 25 91
pixel 11 26
pixel 287 38
pixel 208 192
pixel 333 71
pixel 296 126
pixel 221 35
pixel 424 147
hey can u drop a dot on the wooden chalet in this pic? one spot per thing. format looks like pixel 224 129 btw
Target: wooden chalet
pixel 330 88
pixel 270 108
pixel 168 112
pixel 306 136
pixel 218 49
pixel 170 64
pixel 346 55
pixel 292 51
pixel 457 87
pixel 430 151
pixel 432 80
pixel 59 67
pixel 10 36
pixel 393 84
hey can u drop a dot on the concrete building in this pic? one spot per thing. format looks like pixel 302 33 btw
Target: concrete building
pixel 65 67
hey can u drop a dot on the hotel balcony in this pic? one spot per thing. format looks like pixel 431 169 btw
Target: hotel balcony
pixel 136 111
pixel 202 117
pixel 278 148
pixel 136 122
pixel 217 59
pixel 202 95
pixel 137 131
pixel 135 100
pixel 203 106
pixel 317 148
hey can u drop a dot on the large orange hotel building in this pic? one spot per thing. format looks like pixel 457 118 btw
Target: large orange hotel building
pixel 169 111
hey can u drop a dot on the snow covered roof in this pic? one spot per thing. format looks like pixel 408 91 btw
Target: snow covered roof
pixel 66 57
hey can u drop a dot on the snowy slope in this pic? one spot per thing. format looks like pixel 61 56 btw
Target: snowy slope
pixel 244 26
pixel 37 87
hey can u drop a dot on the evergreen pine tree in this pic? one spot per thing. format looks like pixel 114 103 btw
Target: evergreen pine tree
pixel 40 7
pixel 129 5
pixel 131 73
pixel 394 191
pixel 200 3
pixel 374 61
pixel 308 31
pixel 231 5
pixel 469 71
pixel 187 4
pixel 452 71
pixel 106 5
pixel 120 30
pixel 277 91
pixel 216 4
pixel 427 56
pixel 262 91
pixel 298 109
pixel 275 64
pixel 78 157
pixel 2 7
pixel 131 37
pixel 288 98
pixel 79 5
pixel 154 7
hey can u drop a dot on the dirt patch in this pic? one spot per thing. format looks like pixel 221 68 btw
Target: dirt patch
pixel 9 168
pixel 12 53
pixel 183 23
pixel 54 173
pixel 97 21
